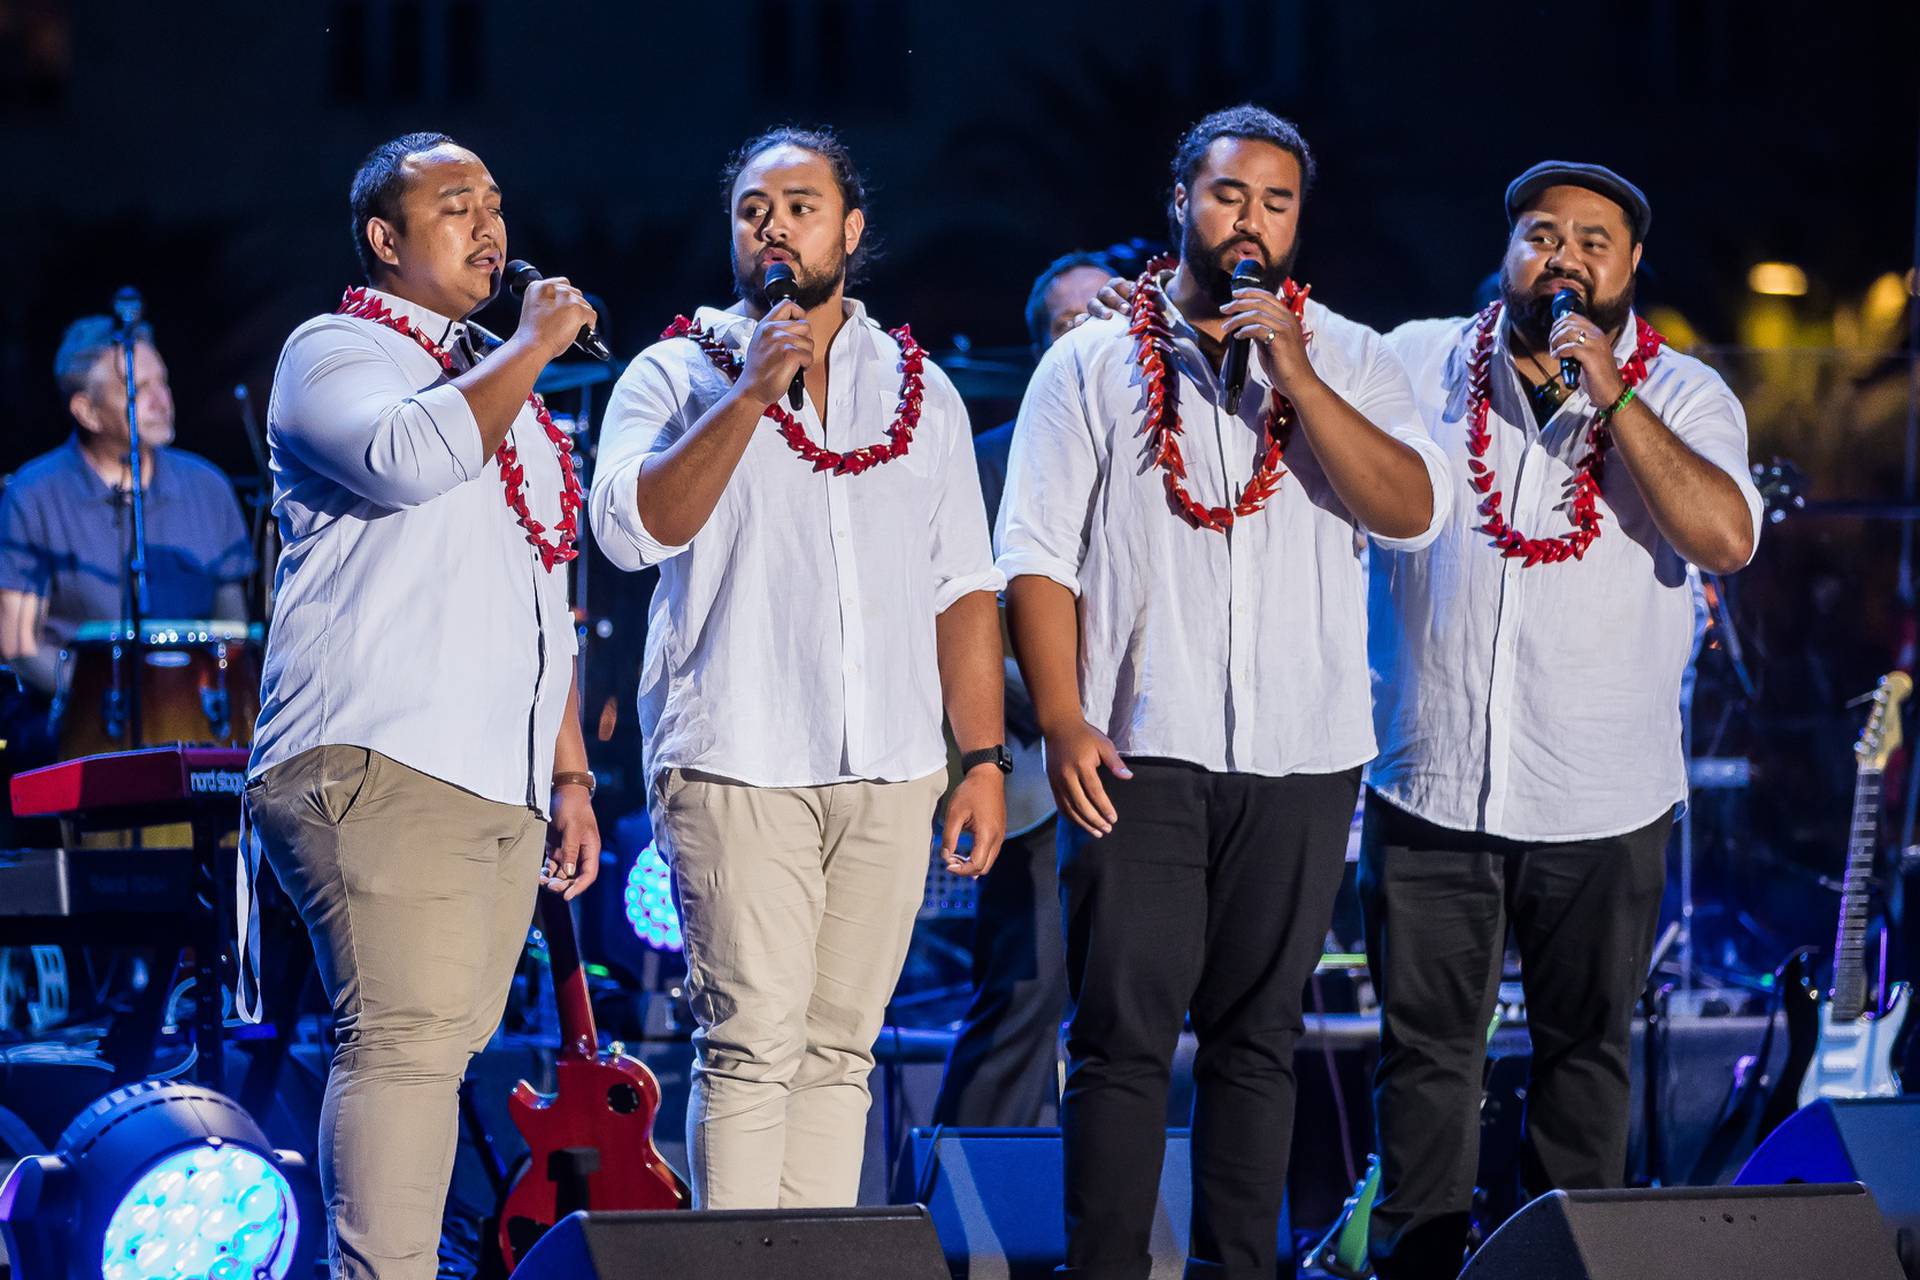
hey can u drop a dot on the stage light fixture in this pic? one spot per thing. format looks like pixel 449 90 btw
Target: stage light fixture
pixel 162 1181
pixel 649 899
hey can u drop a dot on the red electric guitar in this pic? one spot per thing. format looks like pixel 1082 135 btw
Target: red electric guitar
pixel 591 1140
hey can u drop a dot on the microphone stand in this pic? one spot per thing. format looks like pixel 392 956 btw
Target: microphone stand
pixel 136 601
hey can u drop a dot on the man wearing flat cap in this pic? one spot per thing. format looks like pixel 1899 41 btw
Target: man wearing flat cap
pixel 1527 706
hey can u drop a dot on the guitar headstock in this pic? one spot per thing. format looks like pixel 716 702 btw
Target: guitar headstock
pixel 1881 738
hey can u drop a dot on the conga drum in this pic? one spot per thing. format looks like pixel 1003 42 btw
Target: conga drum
pixel 198 684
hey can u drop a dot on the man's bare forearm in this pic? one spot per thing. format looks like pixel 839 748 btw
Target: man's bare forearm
pixel 1381 481
pixel 1044 620
pixel 679 487
pixel 1695 505
pixel 972 677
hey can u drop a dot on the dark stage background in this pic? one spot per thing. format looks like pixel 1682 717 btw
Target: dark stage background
pixel 202 153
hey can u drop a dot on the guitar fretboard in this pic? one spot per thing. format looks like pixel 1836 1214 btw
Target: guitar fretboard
pixel 1849 944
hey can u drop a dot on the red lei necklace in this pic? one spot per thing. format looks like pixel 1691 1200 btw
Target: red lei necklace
pixel 1586 476
pixel 1149 328
pixel 899 436
pixel 362 305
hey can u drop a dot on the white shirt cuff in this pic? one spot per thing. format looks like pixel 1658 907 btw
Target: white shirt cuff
pixel 1016 564
pixel 948 593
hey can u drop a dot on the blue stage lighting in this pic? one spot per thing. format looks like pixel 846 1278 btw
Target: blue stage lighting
pixel 161 1181
pixel 650 908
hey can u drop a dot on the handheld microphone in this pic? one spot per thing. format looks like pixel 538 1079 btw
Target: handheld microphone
pixel 520 274
pixel 127 306
pixel 781 287
pixel 1567 302
pixel 1245 272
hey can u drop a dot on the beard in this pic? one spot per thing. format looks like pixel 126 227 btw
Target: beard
pixel 811 287
pixel 1531 313
pixel 1210 269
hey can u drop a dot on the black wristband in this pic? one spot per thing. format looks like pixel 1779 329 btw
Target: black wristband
pixel 996 755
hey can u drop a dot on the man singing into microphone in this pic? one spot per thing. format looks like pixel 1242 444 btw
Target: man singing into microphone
pixel 419 750
pixel 825 581
pixel 1186 602
pixel 1528 710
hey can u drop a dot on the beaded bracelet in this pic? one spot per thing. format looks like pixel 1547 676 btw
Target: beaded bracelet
pixel 1626 397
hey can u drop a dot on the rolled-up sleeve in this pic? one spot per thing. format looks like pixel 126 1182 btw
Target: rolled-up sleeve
pixel 1706 416
pixel 962 550
pixel 1052 471
pixel 1385 398
pixel 645 415
pixel 349 411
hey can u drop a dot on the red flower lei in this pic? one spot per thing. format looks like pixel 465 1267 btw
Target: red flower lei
pixel 852 463
pixel 362 305
pixel 1586 476
pixel 1149 328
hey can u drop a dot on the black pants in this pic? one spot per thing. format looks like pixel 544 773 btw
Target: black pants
pixel 1211 897
pixel 1002 1072
pixel 1437 904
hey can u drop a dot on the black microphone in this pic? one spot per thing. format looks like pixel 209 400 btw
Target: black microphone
pixel 127 306
pixel 781 287
pixel 1245 272
pixel 1566 302
pixel 520 274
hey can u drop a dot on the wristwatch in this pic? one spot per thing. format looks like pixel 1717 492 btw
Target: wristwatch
pixel 581 778
pixel 997 755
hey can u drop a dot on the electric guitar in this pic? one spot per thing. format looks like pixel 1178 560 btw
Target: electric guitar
pixel 590 1142
pixel 1855 1048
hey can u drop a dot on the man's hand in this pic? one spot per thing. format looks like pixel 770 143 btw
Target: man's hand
pixel 1112 300
pixel 979 805
pixel 573 842
pixel 782 346
pixel 1574 337
pixel 1271 326
pixel 1074 756
pixel 552 313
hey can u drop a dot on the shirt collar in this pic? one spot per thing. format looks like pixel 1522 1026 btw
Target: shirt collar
pixel 735 330
pixel 441 330
pixel 1623 346
pixel 1187 339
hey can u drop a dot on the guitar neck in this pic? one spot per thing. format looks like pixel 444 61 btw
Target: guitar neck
pixel 1849 944
pixel 577 1031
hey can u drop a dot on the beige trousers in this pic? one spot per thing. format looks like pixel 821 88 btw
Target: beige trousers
pixel 418 896
pixel 797 905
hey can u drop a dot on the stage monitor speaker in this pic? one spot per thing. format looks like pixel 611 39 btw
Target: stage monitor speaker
pixel 1870 1140
pixel 894 1242
pixel 1692 1233
pixel 996 1195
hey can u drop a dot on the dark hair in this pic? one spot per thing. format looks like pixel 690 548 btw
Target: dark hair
pixel 826 144
pixel 378 185
pixel 85 341
pixel 1243 121
pixel 1039 323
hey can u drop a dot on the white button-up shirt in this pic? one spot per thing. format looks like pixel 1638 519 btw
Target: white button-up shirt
pixel 410 615
pixel 791 642
pixel 1542 703
pixel 1244 652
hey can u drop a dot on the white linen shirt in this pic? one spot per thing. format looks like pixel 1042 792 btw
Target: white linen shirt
pixel 1244 652
pixel 1543 703
pixel 791 642
pixel 410 614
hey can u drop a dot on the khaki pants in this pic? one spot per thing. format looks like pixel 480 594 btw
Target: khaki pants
pixel 797 905
pixel 418 896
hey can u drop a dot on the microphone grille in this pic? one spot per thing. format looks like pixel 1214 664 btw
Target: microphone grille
pixel 519 274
